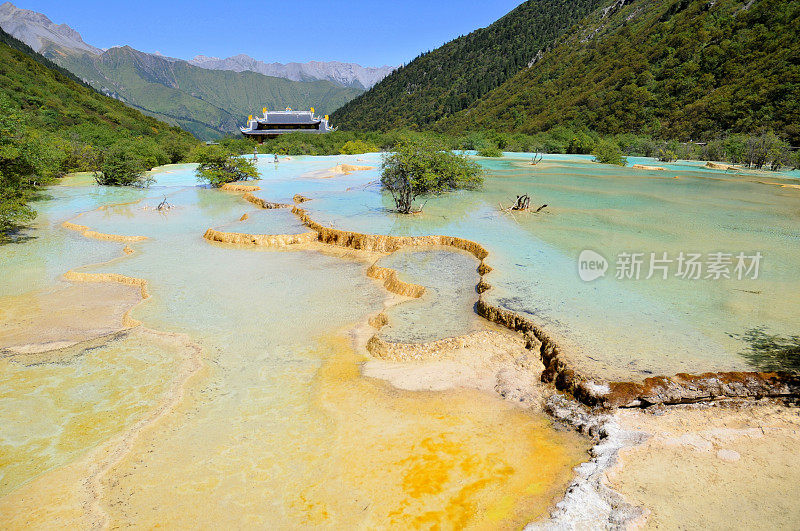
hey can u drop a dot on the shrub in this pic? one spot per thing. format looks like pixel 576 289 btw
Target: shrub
pixel 551 144
pixel 238 145
pixel 581 144
pixel 418 168
pixel 714 150
pixel 121 167
pixel 489 150
pixel 355 147
pixel 607 152
pixel 218 166
pixel 667 155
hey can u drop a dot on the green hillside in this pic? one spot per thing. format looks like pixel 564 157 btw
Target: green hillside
pixel 209 103
pixel 456 75
pixel 686 69
pixel 50 124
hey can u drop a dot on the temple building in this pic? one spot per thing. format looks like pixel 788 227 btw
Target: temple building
pixel 275 123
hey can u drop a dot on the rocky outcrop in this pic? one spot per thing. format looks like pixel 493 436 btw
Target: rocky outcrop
pixel 378 321
pixel 77 276
pixel 86 232
pixel 719 166
pixel 391 351
pixel 589 503
pixel 645 167
pixel 127 320
pixel 686 388
pixel 36 30
pixel 384 243
pixel 263 203
pixel 678 389
pixel 346 169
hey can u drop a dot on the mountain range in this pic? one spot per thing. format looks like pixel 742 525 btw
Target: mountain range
pixel 206 96
pixel 676 69
pixel 36 30
pixel 208 103
pixel 69 122
pixel 345 74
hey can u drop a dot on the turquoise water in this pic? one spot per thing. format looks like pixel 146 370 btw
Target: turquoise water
pixel 277 425
pixel 624 328
pixel 618 329
pixel 446 308
pixel 50 250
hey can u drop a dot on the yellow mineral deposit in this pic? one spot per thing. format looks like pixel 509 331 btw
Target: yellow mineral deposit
pixel 782 185
pixel 443 451
pixel 719 166
pixel 87 232
pixel 64 316
pixel 262 240
pixel 646 167
pixel 240 187
pixel 393 284
pixel 434 460
pixel 143 375
pixel 339 169
pixel 446 460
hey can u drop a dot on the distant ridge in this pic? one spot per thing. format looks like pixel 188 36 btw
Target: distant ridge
pixel 36 30
pixel 345 74
pixel 55 104
pixel 20 46
pixel 209 101
pixel 686 69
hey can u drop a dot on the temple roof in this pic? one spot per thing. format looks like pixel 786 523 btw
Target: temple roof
pixel 289 117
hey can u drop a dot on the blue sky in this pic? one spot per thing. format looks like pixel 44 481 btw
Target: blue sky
pixel 368 32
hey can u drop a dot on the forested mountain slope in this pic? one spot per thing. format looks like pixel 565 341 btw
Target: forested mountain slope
pixel 684 69
pixel 51 124
pixel 456 75
pixel 59 108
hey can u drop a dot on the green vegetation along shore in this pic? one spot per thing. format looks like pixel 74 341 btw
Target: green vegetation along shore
pixel 758 151
pixel 51 124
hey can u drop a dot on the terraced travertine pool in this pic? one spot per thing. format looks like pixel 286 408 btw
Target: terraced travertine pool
pixel 239 398
pixel 614 329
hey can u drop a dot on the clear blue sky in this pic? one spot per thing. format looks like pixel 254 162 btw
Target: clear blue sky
pixel 372 33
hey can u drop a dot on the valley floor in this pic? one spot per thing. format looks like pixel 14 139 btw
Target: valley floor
pixel 270 373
